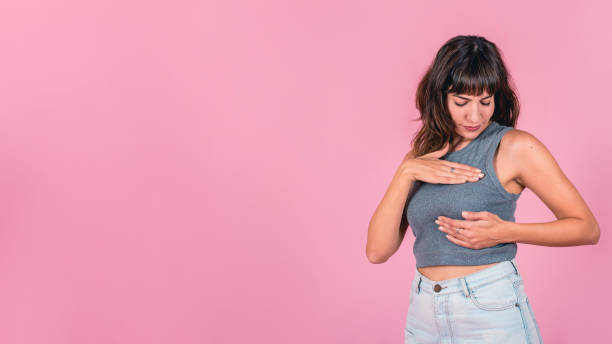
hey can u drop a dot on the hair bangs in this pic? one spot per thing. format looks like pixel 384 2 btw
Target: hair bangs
pixel 474 76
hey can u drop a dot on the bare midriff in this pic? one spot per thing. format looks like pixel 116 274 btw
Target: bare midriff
pixel 444 272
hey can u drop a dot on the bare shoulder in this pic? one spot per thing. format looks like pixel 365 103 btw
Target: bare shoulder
pixel 518 142
pixel 525 152
pixel 540 172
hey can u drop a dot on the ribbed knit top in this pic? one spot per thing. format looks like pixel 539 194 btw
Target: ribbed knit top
pixel 431 247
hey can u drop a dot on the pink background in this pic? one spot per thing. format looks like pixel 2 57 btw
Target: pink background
pixel 188 172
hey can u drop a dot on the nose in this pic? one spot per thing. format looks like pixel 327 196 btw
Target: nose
pixel 474 113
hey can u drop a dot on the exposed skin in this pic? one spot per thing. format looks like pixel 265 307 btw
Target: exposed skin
pixel 521 161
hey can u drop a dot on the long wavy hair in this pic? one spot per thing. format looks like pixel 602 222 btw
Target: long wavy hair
pixel 464 65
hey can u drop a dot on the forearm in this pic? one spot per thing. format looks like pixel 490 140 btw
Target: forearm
pixel 563 232
pixel 384 235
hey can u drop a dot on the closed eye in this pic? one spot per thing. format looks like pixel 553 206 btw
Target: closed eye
pixel 485 104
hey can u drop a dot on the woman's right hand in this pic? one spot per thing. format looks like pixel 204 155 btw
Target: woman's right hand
pixel 430 169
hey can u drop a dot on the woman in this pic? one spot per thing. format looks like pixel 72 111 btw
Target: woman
pixel 457 188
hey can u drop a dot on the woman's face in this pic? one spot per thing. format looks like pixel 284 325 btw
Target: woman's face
pixel 470 111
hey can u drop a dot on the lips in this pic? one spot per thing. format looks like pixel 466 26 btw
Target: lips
pixel 472 128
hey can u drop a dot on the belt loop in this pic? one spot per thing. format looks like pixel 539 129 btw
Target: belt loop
pixel 419 285
pixel 466 291
pixel 514 266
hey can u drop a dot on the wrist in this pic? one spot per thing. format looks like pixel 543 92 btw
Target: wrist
pixel 406 172
pixel 508 232
pixel 407 177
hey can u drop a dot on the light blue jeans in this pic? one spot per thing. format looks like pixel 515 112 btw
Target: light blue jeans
pixel 487 306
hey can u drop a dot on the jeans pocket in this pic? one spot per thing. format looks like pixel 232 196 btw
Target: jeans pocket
pixel 496 295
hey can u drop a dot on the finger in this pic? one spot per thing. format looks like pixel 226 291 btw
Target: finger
pixel 461 178
pixel 458 241
pixel 445 179
pixel 446 176
pixel 454 223
pixel 439 177
pixel 453 232
pixel 460 166
pixel 445 170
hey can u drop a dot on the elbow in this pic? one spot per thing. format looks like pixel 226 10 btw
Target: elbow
pixel 595 235
pixel 375 258
pixel 592 232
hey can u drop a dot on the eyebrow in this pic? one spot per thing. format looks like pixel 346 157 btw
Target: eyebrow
pixel 464 98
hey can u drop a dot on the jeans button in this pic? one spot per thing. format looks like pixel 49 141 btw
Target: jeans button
pixel 437 288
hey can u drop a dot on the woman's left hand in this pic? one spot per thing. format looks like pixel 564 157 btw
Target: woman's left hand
pixel 481 229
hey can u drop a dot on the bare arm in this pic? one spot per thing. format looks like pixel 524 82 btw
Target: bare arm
pixel 539 171
pixel 389 224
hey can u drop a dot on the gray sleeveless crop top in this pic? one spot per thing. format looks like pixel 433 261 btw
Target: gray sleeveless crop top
pixel 431 247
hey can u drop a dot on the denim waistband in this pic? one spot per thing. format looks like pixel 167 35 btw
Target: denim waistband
pixel 460 284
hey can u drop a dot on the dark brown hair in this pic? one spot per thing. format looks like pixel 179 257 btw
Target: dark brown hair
pixel 464 65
